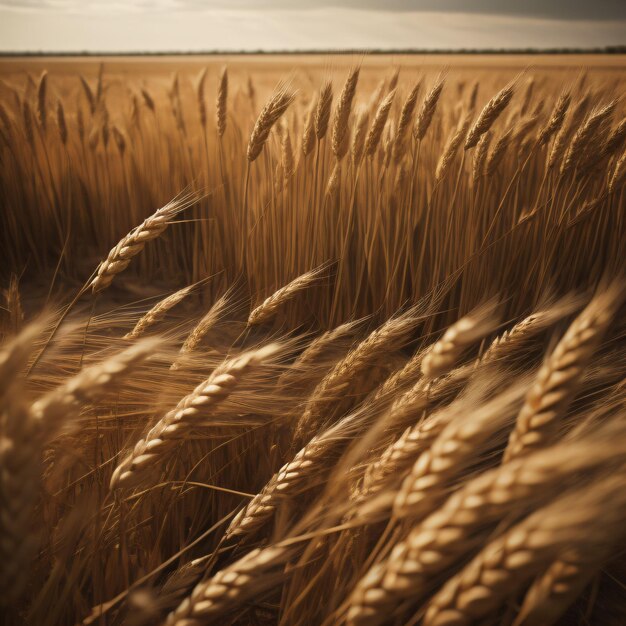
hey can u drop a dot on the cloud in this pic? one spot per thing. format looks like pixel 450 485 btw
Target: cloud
pixel 295 29
pixel 556 9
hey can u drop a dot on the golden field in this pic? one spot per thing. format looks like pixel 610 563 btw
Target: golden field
pixel 313 340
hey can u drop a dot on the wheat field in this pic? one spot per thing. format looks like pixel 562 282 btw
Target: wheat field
pixel 313 340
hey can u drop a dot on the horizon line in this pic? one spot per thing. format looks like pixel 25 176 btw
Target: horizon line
pixel 609 49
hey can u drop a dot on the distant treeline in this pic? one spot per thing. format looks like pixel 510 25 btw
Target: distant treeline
pixel 601 50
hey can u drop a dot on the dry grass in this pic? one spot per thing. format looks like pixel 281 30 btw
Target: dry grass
pixel 365 365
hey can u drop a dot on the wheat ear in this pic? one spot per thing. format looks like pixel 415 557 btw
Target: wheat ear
pixel 14 354
pixel 41 99
pixel 378 124
pixel 489 115
pixel 584 135
pixel 555 589
pixel 552 391
pixel 273 303
pixel 385 339
pixel 90 383
pixel 322 110
pixel 20 477
pixel 132 244
pixel 313 353
pixel 450 151
pixel 175 424
pixel 445 535
pixel 222 103
pixel 513 341
pixel 584 518
pixel 230 587
pixel 306 470
pixel 454 450
pixel 406 117
pixel 358 137
pixel 497 152
pixel 480 156
pixel 157 312
pixel 399 455
pixel 20 468
pixel 334 182
pixel 308 133
pixel 427 110
pixel 271 113
pixel 61 124
pixel 200 330
pixel 342 115
pixel 556 120
pixel 287 157
pixel 201 97
pixel 91 99
pixel 445 353
pixel 619 174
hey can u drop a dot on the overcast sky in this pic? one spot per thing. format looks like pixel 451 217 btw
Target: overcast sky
pixel 135 25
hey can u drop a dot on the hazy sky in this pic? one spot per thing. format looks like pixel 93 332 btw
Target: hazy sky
pixel 134 25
